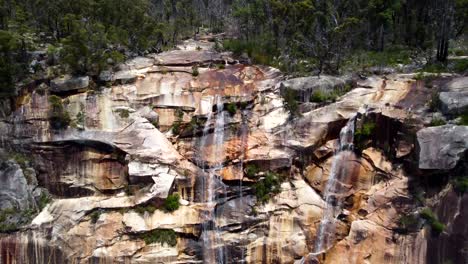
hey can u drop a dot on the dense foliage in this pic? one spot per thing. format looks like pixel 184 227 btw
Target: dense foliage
pixel 87 36
pixel 325 32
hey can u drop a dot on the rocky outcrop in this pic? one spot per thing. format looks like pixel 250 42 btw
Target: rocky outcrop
pixel 305 86
pixel 69 83
pixel 454 97
pixel 442 147
pixel 255 183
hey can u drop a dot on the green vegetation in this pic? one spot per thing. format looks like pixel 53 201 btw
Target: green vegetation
pixel 320 96
pixel 464 118
pixel 141 209
pixel 363 133
pixel 123 113
pixel 436 226
pixel 437 122
pixel 260 52
pixel 95 216
pixel 363 60
pixel 44 199
pixel 176 128
pixel 460 184
pixel 195 71
pixel 162 236
pixel 172 202
pixel 5 225
pixel 231 108
pixel 434 104
pixel 408 222
pixel 21 159
pixel 80 118
pixel 251 171
pixel 460 66
pixel 170 205
pixel 58 116
pixel 290 102
pixel 267 187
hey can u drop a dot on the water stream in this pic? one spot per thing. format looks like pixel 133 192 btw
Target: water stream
pixel 335 189
pixel 213 249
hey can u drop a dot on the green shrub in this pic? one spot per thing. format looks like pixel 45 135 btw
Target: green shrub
pixel 123 113
pixel 231 108
pixel 437 122
pixel 251 171
pixel 5 224
pixel 461 66
pixel 162 236
pixel 408 222
pixel 435 103
pixel 459 52
pixel 141 209
pixel 176 127
pixel 80 118
pixel 290 103
pixel 460 184
pixel 464 118
pixel 436 226
pixel 319 96
pixel 195 71
pixel 44 199
pixel 363 133
pixel 267 187
pixel 95 216
pixel 260 51
pixel 58 116
pixel 172 202
pixel 435 68
pixel 21 159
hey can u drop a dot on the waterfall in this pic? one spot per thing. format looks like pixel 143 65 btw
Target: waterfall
pixel 334 188
pixel 213 250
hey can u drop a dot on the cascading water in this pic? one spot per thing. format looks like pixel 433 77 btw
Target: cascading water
pixel 213 250
pixel 335 189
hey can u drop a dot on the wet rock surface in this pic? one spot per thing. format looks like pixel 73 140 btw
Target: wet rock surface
pixel 254 183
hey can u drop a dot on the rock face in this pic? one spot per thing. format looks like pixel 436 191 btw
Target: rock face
pixel 442 147
pixel 69 83
pixel 305 86
pixel 454 97
pixel 169 165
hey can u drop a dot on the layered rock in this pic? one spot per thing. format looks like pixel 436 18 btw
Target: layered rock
pixel 251 177
pixel 442 147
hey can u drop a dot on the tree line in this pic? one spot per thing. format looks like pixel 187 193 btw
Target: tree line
pixel 328 30
pixel 87 36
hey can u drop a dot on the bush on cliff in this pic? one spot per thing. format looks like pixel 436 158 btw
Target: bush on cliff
pixel 162 236
pixel 267 187
pixel 172 202
pixel 436 226
pixel 58 116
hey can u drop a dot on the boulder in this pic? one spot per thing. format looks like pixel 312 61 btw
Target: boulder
pixel 124 77
pixel 69 83
pixel 305 86
pixel 454 97
pixel 137 63
pixel 14 192
pixel 442 147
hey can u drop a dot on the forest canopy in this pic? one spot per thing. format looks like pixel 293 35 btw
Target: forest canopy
pixel 88 36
